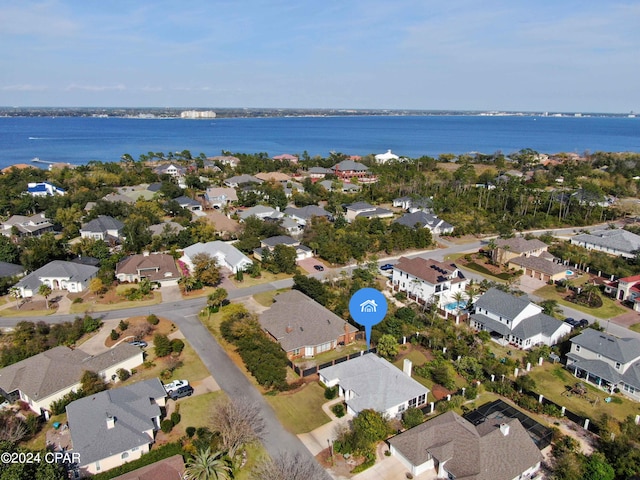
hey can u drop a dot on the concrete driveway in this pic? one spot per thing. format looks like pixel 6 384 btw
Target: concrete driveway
pixel 308 263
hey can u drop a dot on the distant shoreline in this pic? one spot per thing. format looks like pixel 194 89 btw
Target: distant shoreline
pixel 154 113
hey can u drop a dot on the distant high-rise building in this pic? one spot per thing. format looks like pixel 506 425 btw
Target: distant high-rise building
pixel 198 114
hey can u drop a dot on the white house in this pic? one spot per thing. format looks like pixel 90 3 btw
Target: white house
pixel 302 251
pixel 516 320
pixel 427 280
pixel 46 377
pixel 363 209
pixel 220 197
pixel 59 275
pixel 370 382
pixel 606 361
pixel 227 255
pixel 617 242
pixel 116 426
pixel 103 228
pixel 43 189
pixel 383 158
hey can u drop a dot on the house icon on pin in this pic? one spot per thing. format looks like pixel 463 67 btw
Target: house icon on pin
pixel 368 306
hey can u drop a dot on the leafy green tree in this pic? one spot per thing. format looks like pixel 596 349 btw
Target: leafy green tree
pixel 8 250
pixel 370 427
pixel 412 417
pixel 45 291
pixel 283 259
pixel 597 468
pixel 387 346
pixel 206 269
pixel 216 299
pixel 38 251
pixel 162 345
pixel 92 383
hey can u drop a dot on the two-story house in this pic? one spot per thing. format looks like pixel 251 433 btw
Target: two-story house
pixel 104 228
pixel 24 226
pixel 606 361
pixel 363 209
pixel 43 189
pixel 220 197
pixel 348 170
pixel 509 248
pixel 516 320
pixel 427 280
pixel 618 242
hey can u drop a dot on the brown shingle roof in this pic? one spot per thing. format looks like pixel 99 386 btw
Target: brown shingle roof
pixel 429 270
pixel 538 264
pixel 170 468
pixel 147 265
pixel 520 244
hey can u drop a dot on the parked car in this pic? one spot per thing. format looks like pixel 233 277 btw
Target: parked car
pixel 571 321
pixel 139 343
pixel 320 268
pixel 386 267
pixel 184 391
pixel 583 322
pixel 175 385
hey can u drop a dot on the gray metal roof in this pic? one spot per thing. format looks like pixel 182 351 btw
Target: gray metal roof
pixel 377 384
pixel 133 407
pixel 621 350
pixel 502 304
pixel 297 321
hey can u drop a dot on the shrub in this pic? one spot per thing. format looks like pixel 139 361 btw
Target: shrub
pixel 153 319
pixel 123 325
pixel 330 392
pixel 77 300
pixel 190 431
pixel 338 410
pixel 177 345
pixel 471 393
pixel 162 345
pixel 412 417
pixel 114 335
pixel 175 418
pixel 166 425
pixel 123 374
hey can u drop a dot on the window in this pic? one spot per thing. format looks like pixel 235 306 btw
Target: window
pixel 421 399
pixel 401 408
pixel 618 365
pixel 577 348
pixel 124 455
pixel 296 352
pixel 97 466
pixel 412 403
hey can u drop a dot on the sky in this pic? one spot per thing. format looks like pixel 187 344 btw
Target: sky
pixel 502 55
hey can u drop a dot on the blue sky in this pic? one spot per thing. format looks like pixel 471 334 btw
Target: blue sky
pixel 568 55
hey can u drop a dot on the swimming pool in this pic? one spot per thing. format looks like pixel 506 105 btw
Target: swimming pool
pixel 569 272
pixel 455 305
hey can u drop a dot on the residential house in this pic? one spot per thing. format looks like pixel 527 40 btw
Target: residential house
pixel 104 228
pixel 116 426
pixel 23 226
pixel 59 275
pixel 289 225
pixel 189 203
pixel 121 197
pixel 302 251
pixel 541 267
pixel 277 177
pixel 348 170
pixel 509 248
pixel 422 219
pixel 171 468
pixel 452 447
pixel 303 327
pixel 261 212
pixel 427 280
pixel 46 377
pixel 516 320
pixel 402 202
pixel 11 270
pixel 286 157
pixel 371 382
pixel 618 242
pixel 226 226
pixel 220 197
pixel 43 189
pixel 316 173
pixel 227 160
pixel 363 209
pixel 383 158
pixel 171 169
pixel 345 187
pixel 292 187
pixel 226 254
pixel 134 192
pixel 626 289
pixel 240 180
pixel 304 215
pixel 156 267
pixel 606 361
pixel 165 228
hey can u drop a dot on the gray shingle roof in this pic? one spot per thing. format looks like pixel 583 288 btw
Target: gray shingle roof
pixel 539 264
pixel 377 384
pixel 307 212
pixel 520 244
pixel 280 240
pixel 102 224
pixel 10 269
pixel 258 210
pixel 347 165
pixel 472 453
pixel 360 206
pixel 132 408
pixel 58 368
pixel 308 322
pixel 621 350
pixel 539 323
pixel 424 220
pixel 74 272
pixel 502 303
pixel 617 239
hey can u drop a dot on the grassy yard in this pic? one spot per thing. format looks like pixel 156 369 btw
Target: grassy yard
pixel 106 307
pixel 194 411
pixel 13 312
pixel 501 277
pixel 300 412
pixel 266 298
pixel 607 310
pixel 552 381
pixel 265 277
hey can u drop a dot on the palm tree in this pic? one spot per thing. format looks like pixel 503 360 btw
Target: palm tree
pixel 458 297
pixel 15 292
pixel 45 291
pixel 216 299
pixel 207 465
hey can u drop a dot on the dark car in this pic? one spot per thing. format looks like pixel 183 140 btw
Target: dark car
pixel 572 321
pixel 185 391
pixel 583 322
pixel 138 343
pixel 320 268
pixel 386 267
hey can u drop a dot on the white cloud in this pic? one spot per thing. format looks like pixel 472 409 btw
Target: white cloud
pixel 96 88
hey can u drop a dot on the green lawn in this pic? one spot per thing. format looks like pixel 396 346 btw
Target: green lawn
pixel 266 298
pixel 265 277
pixel 501 277
pixel 300 412
pixel 608 309
pixel 635 327
pixel 552 380
pixel 194 411
pixel 106 307
pixel 13 312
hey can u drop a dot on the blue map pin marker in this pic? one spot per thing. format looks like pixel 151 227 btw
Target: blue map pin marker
pixel 368 307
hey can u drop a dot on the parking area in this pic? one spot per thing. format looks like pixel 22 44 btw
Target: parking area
pixel 309 264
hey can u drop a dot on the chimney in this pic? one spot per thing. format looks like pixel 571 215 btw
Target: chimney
pixel 289 329
pixel 111 421
pixel 406 366
pixel 504 429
